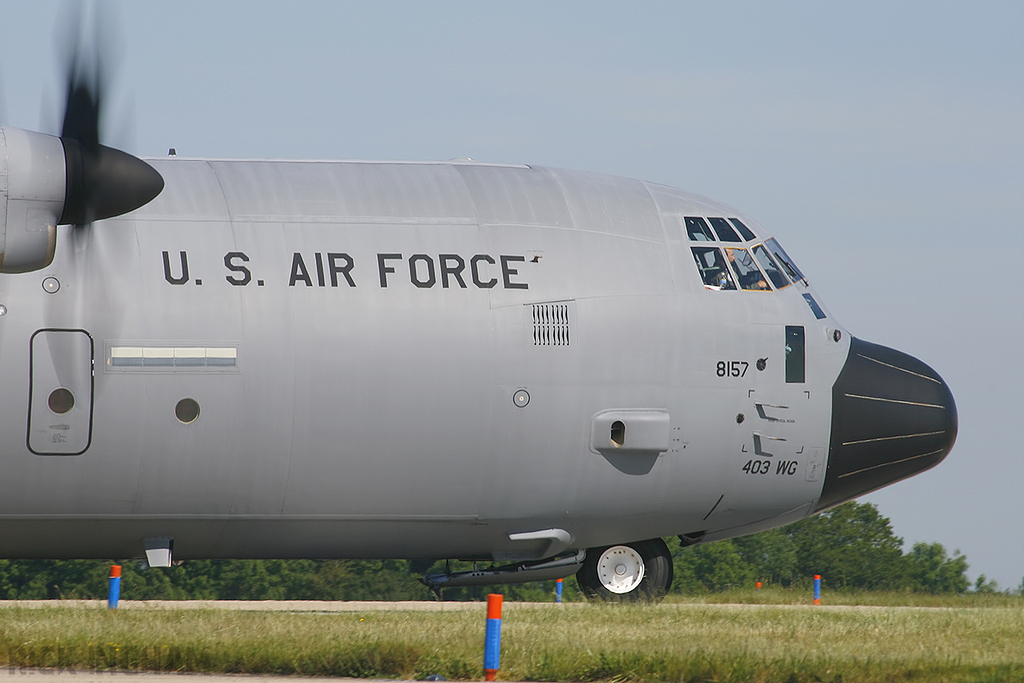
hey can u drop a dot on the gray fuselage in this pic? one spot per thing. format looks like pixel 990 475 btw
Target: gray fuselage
pixel 410 360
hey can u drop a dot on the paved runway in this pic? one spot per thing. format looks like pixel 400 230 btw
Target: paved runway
pixel 13 674
pixel 283 605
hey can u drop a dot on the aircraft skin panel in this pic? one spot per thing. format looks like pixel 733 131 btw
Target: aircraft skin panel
pixel 528 196
pixel 193 191
pixel 607 204
pixel 412 360
pixel 340 192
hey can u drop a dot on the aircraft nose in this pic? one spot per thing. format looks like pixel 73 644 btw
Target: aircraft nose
pixel 892 417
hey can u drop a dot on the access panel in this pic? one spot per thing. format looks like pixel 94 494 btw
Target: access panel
pixel 60 392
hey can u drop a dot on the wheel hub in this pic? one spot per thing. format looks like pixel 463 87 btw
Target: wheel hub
pixel 620 569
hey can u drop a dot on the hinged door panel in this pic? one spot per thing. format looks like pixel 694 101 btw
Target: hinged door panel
pixel 60 392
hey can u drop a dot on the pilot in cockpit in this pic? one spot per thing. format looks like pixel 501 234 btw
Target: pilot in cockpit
pixel 747 273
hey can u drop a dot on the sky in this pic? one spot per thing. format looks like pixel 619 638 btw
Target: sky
pixel 881 142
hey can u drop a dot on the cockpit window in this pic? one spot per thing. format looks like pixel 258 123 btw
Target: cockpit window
pixel 747 272
pixel 787 263
pixel 769 267
pixel 724 230
pixel 713 270
pixel 744 230
pixel 698 229
pixel 762 267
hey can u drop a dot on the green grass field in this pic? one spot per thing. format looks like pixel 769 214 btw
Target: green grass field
pixel 975 638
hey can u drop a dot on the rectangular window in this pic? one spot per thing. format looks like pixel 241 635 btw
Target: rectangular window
pixel 794 354
pixel 724 230
pixel 744 230
pixel 698 230
pixel 818 313
pixel 164 357
pixel 712 268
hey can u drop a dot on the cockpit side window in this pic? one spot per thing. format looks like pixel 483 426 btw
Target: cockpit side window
pixel 724 230
pixel 744 230
pixel 698 230
pixel 769 267
pixel 713 270
pixel 787 263
pixel 747 272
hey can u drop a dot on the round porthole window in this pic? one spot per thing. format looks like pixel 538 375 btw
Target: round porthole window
pixel 187 410
pixel 61 400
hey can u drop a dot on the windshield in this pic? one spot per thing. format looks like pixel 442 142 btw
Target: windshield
pixel 711 265
pixel 787 263
pixel 729 264
pixel 747 272
pixel 768 266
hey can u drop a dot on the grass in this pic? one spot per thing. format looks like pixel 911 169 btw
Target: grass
pixel 675 641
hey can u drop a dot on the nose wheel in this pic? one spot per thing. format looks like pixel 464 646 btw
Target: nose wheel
pixel 628 572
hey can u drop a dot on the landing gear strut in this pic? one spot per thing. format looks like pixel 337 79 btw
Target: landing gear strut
pixel 628 572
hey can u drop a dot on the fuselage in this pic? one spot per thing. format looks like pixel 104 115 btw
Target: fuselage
pixel 428 360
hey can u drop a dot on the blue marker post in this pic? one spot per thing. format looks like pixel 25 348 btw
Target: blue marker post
pixel 817 589
pixel 558 590
pixel 115 586
pixel 492 641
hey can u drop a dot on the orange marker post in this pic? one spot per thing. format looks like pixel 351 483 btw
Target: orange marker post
pixel 817 589
pixel 492 640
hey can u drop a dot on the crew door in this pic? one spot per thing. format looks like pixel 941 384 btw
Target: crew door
pixel 60 392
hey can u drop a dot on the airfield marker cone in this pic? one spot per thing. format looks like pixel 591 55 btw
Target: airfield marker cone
pixel 492 640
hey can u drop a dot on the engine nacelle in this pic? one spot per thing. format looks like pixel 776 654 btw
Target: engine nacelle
pixel 32 187
pixel 46 181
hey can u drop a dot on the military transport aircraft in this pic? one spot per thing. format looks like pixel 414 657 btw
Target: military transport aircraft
pixel 545 371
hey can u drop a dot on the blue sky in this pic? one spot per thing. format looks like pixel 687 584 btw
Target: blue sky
pixel 882 142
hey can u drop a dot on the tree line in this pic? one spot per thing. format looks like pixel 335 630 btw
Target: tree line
pixel 852 546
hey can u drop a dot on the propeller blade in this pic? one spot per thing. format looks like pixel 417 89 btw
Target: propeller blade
pixel 82 108
pixel 101 182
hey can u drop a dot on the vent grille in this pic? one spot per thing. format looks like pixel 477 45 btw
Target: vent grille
pixel 551 324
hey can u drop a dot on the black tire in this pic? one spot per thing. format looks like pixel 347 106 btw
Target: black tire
pixel 650 560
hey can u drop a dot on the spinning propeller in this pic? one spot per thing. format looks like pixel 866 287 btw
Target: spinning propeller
pixel 73 179
pixel 101 182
